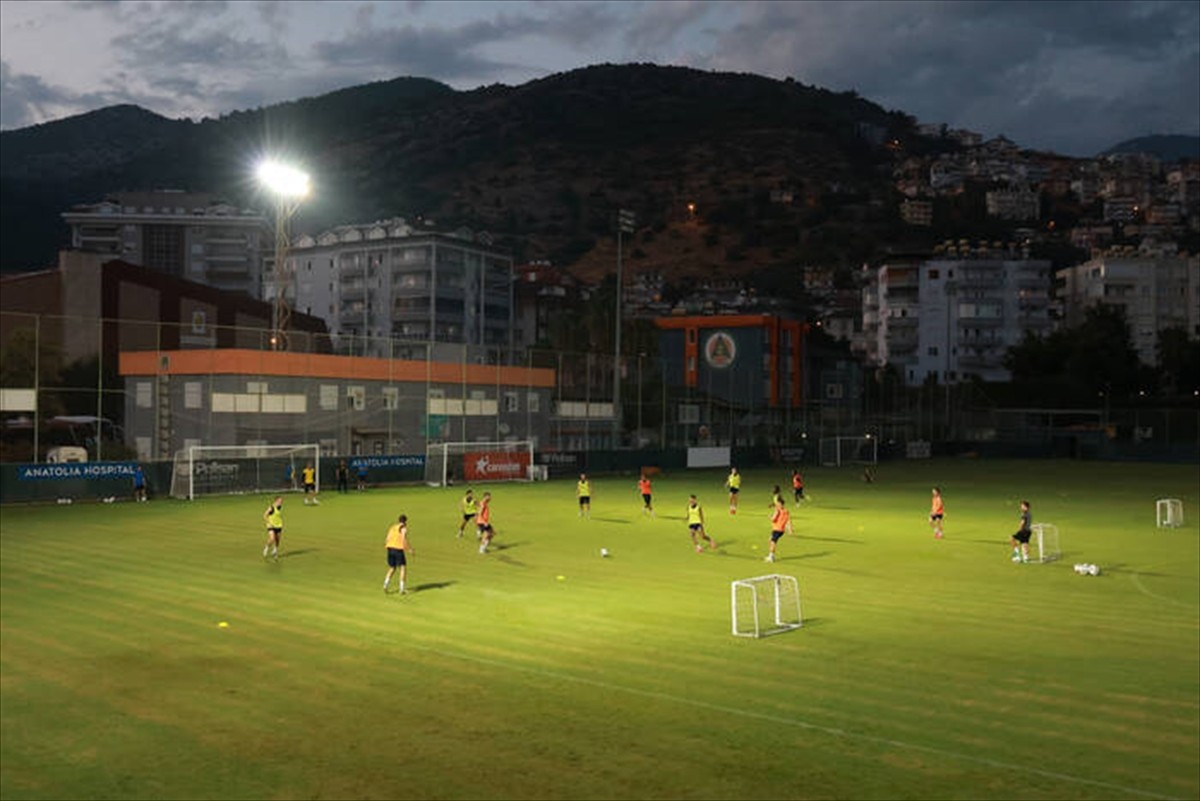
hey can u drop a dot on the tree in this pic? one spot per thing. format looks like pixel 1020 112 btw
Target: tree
pixel 1178 360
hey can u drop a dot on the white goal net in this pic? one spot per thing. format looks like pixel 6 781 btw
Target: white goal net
pixel 838 451
pixel 1168 512
pixel 764 605
pixel 1045 540
pixel 450 462
pixel 232 469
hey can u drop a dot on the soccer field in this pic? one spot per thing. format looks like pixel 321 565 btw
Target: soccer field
pixel 925 668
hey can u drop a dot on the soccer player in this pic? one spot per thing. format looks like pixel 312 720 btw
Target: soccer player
pixel 776 496
pixel 362 475
pixel 343 477
pixel 139 484
pixel 734 484
pixel 483 522
pixel 310 484
pixel 273 517
pixel 584 490
pixel 398 547
pixel 798 486
pixel 937 511
pixel 469 510
pixel 644 488
pixel 1020 540
pixel 781 523
pixel 695 519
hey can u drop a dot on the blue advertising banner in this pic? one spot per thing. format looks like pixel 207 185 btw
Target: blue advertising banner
pixel 415 460
pixel 76 470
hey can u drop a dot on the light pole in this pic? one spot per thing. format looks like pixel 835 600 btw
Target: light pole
pixel 624 226
pixel 289 186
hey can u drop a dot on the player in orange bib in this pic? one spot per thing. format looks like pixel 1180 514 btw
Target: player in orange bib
pixel 644 488
pixel 483 522
pixel 937 511
pixel 781 523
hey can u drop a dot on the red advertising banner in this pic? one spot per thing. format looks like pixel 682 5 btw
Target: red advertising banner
pixel 495 465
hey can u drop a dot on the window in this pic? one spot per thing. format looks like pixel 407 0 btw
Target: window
pixel 391 398
pixel 357 397
pixel 933 275
pixel 512 402
pixel 192 395
pixel 933 351
pixel 329 397
pixel 145 394
pixel 533 403
pixel 256 387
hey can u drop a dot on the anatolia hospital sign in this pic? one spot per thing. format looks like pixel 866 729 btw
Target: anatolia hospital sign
pixel 720 350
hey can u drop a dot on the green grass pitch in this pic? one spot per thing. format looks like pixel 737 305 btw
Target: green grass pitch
pixel 925 668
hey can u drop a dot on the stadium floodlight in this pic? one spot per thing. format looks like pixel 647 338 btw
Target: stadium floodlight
pixel 289 185
pixel 283 180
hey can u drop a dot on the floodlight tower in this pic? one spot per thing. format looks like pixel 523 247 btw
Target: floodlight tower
pixel 290 186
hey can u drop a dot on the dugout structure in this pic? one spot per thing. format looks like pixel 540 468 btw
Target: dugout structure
pixel 238 469
pixel 479 462
pixel 764 605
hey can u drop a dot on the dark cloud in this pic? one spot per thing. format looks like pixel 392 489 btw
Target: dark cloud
pixel 1035 71
pixel 28 100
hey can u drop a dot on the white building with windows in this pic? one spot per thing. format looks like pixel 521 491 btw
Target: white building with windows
pixel 950 317
pixel 190 235
pixel 389 280
pixel 1157 290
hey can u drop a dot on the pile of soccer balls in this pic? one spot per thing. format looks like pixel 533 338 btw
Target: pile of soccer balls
pixel 1087 570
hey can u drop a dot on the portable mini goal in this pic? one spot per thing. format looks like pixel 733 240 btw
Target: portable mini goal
pixel 764 605
pixel 1046 537
pixel 1168 512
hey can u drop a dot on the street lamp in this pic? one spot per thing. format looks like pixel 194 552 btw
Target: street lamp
pixel 289 186
pixel 624 226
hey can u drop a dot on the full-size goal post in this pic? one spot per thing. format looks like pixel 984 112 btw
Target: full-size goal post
pixel 1168 512
pixel 839 451
pixel 235 469
pixel 764 605
pixel 447 462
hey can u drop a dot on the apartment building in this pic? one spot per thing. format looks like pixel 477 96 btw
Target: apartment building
pixel 388 279
pixel 1016 203
pixel 955 314
pixel 189 235
pixel 1157 290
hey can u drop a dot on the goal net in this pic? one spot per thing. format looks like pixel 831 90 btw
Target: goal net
pixel 1168 512
pixel 1045 538
pixel 448 462
pixel 838 451
pixel 764 605
pixel 231 469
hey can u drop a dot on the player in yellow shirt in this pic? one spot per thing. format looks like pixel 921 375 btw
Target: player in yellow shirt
pixel 584 490
pixel 469 509
pixel 734 484
pixel 695 520
pixel 398 548
pixel 310 484
pixel 273 517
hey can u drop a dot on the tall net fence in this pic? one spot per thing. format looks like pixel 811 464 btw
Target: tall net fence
pixel 133 389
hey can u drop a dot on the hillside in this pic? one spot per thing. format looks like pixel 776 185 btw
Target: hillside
pixel 1166 147
pixel 543 166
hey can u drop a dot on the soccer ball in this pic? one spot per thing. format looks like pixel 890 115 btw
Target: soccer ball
pixel 1093 570
pixel 603 552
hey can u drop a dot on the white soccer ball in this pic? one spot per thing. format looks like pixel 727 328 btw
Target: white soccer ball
pixel 603 552
pixel 1093 570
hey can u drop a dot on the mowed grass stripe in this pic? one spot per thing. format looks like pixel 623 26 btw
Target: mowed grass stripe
pixel 868 656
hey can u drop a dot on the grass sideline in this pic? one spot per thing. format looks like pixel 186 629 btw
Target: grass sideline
pixel 925 669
